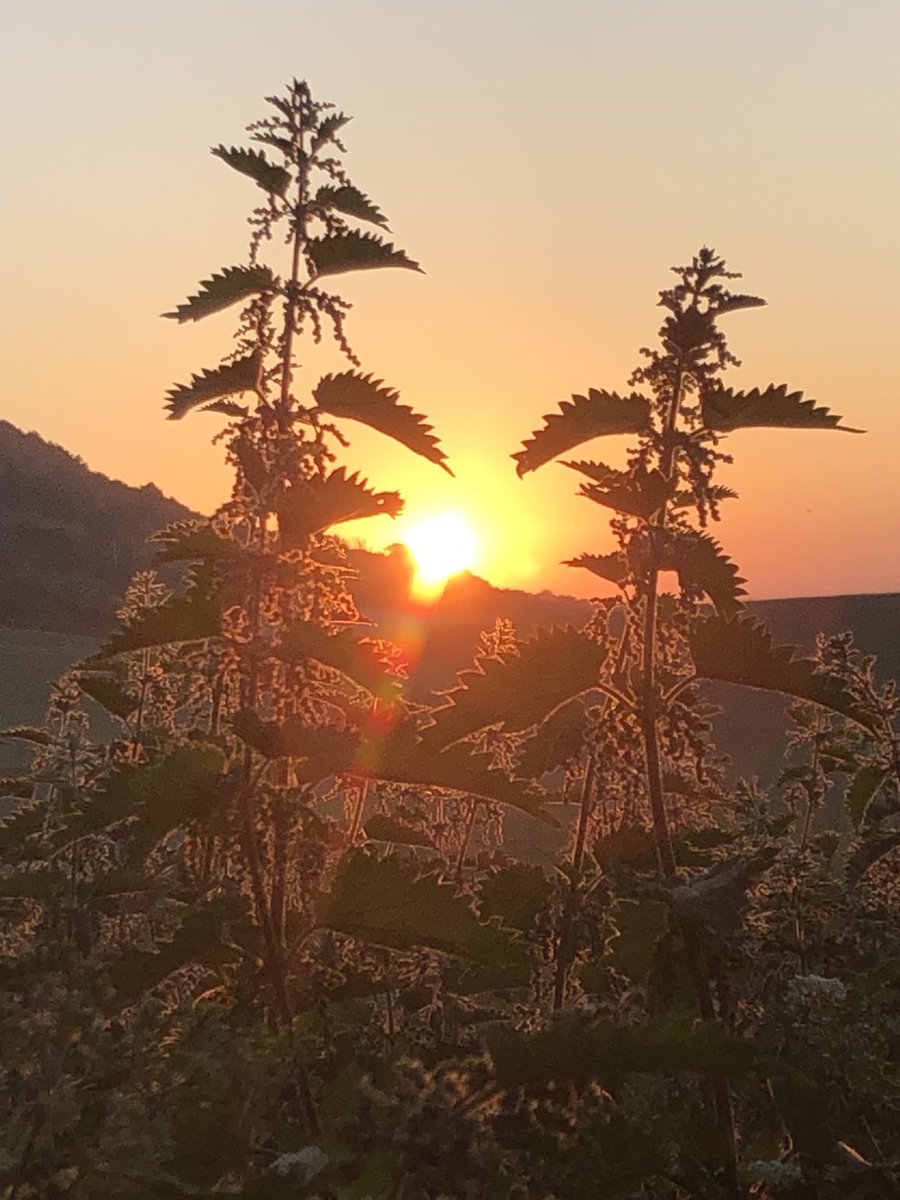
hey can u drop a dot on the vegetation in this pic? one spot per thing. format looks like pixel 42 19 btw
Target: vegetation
pixel 269 941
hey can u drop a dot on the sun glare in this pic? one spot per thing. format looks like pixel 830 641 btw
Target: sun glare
pixel 441 546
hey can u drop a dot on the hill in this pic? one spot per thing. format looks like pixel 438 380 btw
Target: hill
pixel 71 537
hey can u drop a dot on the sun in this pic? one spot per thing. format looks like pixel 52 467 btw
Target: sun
pixel 441 546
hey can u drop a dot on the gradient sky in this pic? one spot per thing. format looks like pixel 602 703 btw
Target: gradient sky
pixel 546 163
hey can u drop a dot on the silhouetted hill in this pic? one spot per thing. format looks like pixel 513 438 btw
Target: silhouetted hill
pixel 71 538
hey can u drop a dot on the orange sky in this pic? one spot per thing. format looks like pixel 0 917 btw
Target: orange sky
pixel 546 163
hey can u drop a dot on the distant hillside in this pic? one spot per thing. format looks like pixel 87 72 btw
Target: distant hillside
pixel 71 538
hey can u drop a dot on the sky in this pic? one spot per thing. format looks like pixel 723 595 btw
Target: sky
pixel 546 163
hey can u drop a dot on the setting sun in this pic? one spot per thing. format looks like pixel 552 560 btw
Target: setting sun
pixel 441 546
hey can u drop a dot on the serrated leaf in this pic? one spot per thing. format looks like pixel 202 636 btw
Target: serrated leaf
pixel 717 493
pixel 598 414
pixel 221 291
pixel 328 128
pixel 612 567
pixel 359 659
pixel 30 885
pixel 240 376
pixel 382 827
pixel 199 939
pixel 254 164
pixel 191 541
pixel 325 749
pixel 27 733
pixel 860 793
pixel 352 202
pixel 403 757
pixel 337 253
pixel 735 303
pixel 576 1052
pixel 388 902
pixel 557 741
pixel 871 851
pixel 639 494
pixel 518 689
pixel 313 505
pixel 190 618
pixel 725 410
pixel 109 691
pixel 597 472
pixel 361 398
pixel 22 821
pixel 740 650
pixel 702 566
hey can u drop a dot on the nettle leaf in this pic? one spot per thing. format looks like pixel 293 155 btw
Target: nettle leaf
pixel 597 472
pixel 327 749
pixel 110 692
pixel 359 659
pixel 725 410
pixel 200 940
pixel 861 792
pixel 717 492
pixel 352 202
pixel 221 291
pixel 702 566
pixel 191 541
pixel 193 617
pixel 361 398
pixel 328 129
pixel 27 733
pixel 740 650
pixel 21 825
pixel 403 757
pixel 871 851
pixel 518 689
pixel 577 1052
pixel 387 902
pixel 255 165
pixel 557 741
pixel 313 505
pixel 353 251
pixel 243 375
pixel 382 827
pixel 640 494
pixel 581 419
pixel 612 567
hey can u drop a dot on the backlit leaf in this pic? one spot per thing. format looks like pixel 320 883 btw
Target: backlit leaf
pixel 557 741
pixel 871 851
pixel 865 784
pixel 639 494
pixel 703 567
pixel 361 398
pixel 189 541
pixel 27 733
pixel 518 689
pixel 352 202
pixel 313 505
pixel 353 251
pixel 387 901
pixel 255 165
pixel 401 756
pixel 579 420
pixel 612 567
pixel 327 130
pixel 107 690
pixel 240 376
pixel 725 410
pixel 360 660
pixel 221 291
pixel 382 827
pixel 326 749
pixel 597 472
pixel 189 618
pixel 740 650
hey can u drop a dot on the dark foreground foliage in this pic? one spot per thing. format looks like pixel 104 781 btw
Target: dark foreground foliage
pixel 269 941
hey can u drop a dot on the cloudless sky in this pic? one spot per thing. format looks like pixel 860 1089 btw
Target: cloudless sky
pixel 546 163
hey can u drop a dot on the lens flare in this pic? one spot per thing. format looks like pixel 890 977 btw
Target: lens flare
pixel 441 546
